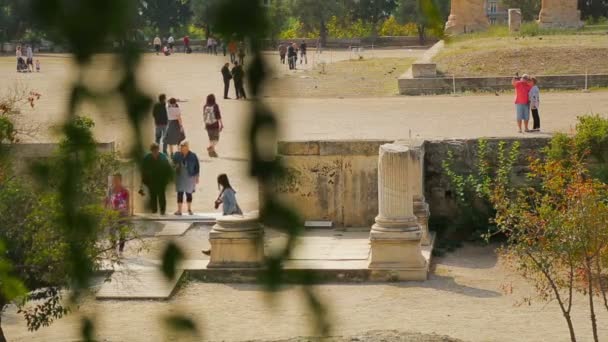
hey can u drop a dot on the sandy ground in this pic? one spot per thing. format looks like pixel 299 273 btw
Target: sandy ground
pixel 462 299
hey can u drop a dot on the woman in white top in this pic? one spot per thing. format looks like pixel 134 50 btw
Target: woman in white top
pixel 175 129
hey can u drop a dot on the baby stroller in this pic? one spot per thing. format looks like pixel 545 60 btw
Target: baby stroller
pixel 21 65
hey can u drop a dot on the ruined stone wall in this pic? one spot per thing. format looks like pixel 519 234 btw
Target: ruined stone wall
pixel 338 180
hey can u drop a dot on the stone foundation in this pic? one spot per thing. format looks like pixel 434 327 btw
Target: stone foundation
pixel 236 242
pixel 560 14
pixel 467 16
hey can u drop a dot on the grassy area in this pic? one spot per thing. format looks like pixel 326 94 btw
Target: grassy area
pixel 350 78
pixel 494 54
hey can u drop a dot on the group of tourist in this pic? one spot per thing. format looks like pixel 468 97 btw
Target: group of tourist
pixel 26 63
pixel 527 98
pixel 182 166
pixel 237 74
pixel 236 50
pixel 290 50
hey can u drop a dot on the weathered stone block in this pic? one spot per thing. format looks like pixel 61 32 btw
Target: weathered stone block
pixel 422 70
pixel 236 242
pixel 560 13
pixel 514 19
pixel 467 16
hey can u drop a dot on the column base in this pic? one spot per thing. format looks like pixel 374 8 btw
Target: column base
pixel 422 213
pixel 398 253
pixel 236 242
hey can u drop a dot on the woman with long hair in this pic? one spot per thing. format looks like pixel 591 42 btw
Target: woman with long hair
pixel 213 123
pixel 227 199
pixel 187 177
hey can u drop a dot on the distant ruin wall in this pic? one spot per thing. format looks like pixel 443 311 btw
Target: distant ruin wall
pixel 446 85
pixel 338 180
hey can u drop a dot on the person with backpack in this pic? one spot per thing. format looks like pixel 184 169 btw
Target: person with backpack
pixel 213 123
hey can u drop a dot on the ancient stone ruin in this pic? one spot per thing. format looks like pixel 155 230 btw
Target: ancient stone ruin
pixel 514 19
pixel 467 16
pixel 560 13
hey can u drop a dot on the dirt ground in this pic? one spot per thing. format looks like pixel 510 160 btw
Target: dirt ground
pixel 543 55
pixel 463 299
pixel 350 78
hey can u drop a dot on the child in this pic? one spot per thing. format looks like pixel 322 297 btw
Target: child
pixel 37 65
pixel 534 96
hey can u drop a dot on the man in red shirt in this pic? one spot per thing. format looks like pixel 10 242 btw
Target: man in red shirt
pixel 522 102
pixel 187 44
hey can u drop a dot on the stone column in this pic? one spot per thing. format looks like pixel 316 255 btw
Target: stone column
pixel 236 242
pixel 421 208
pixel 467 16
pixel 396 237
pixel 559 13
pixel 514 19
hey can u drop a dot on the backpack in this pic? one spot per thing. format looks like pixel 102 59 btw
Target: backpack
pixel 209 115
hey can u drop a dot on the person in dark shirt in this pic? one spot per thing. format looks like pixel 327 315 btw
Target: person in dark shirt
pixel 227 76
pixel 291 56
pixel 238 74
pixel 160 121
pixel 303 53
pixel 156 175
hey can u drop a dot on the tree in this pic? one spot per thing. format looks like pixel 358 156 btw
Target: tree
pixel 529 8
pixel 165 15
pixel 33 246
pixel 593 9
pixel 373 11
pixel 315 14
pixel 426 14
pixel 278 17
pixel 13 19
pixel 204 13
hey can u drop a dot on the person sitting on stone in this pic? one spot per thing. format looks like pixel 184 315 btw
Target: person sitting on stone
pixel 227 199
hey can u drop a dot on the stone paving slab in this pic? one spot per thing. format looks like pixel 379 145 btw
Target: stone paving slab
pixel 138 284
pixel 197 217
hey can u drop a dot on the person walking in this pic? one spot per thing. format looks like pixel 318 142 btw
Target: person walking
pixel 175 129
pixel 157 44
pixel 187 170
pixel 209 45
pixel 213 123
pixel 238 75
pixel 227 199
pixel 534 97
pixel 171 43
pixel 232 49
pixel 303 56
pixel 156 175
pixel 118 200
pixel 522 89
pixel 227 76
pixel 187 48
pixel 20 62
pixel 161 120
pixel 223 46
pixel 282 52
pixel 29 53
pixel 242 54
pixel 291 54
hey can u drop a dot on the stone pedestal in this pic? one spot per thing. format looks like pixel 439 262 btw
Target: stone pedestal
pixel 424 70
pixel 467 16
pixel 416 180
pixel 396 237
pixel 514 19
pixel 236 242
pixel 559 13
